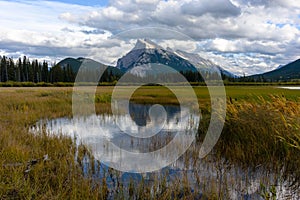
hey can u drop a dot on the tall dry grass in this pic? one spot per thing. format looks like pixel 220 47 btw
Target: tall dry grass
pixel 263 133
pixel 23 172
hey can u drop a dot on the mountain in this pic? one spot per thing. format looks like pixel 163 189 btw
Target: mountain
pixel 287 72
pixel 72 62
pixel 76 63
pixel 202 64
pixel 280 66
pixel 145 52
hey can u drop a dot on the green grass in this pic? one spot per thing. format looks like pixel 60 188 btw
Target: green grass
pixel 249 93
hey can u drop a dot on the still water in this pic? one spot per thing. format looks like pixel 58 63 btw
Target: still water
pixel 291 87
pixel 99 132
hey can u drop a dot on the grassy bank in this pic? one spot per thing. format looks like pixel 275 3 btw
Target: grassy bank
pixel 70 84
pixel 260 129
pixel 23 171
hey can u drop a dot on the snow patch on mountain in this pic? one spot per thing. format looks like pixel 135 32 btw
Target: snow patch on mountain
pixel 196 60
pixel 203 64
pixel 146 44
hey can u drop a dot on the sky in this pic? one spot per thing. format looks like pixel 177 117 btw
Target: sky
pixel 242 36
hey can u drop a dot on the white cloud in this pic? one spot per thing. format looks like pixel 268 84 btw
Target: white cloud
pixel 218 9
pixel 146 1
pixel 38 31
pixel 184 45
pixel 270 3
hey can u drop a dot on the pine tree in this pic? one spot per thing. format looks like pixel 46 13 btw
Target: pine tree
pixel 25 69
pixel 11 73
pixel 45 72
pixel 4 75
pixel 56 74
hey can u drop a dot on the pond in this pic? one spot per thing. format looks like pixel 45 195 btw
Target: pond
pixel 210 173
pixel 291 87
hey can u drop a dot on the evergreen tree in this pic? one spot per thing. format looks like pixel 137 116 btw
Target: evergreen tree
pixel 4 74
pixel 56 74
pixel 45 72
pixel 11 71
pixel 25 69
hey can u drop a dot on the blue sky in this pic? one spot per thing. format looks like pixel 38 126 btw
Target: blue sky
pixel 242 36
pixel 87 2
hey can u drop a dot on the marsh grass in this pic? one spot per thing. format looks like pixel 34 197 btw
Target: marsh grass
pixel 260 129
pixel 264 134
pixel 258 132
pixel 57 178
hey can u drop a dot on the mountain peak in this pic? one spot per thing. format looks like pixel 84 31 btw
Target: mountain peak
pixel 146 44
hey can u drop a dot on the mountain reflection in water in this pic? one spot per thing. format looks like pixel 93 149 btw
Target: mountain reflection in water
pixel 233 182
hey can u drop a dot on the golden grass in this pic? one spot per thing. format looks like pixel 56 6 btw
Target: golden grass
pixel 57 178
pixel 259 133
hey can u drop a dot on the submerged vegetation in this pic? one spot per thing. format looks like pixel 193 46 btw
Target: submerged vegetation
pixel 261 130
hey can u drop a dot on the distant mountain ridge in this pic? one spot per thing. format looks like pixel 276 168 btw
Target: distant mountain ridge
pixel 287 72
pixel 202 64
pixel 76 63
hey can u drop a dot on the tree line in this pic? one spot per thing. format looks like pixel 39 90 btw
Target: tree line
pixel 24 70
